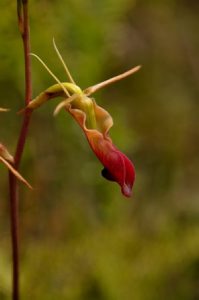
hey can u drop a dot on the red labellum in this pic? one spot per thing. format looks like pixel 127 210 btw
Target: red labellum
pixel 117 166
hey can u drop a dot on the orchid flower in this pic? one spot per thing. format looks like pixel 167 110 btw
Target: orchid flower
pixel 94 121
pixel 7 159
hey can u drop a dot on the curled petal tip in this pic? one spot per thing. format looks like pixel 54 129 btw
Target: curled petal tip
pixel 126 190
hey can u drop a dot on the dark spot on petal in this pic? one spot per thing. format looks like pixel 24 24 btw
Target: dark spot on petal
pixel 106 174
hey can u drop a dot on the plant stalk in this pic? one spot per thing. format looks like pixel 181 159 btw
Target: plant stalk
pixel 23 21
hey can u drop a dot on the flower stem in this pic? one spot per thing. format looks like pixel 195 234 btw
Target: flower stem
pixel 15 235
pixel 23 21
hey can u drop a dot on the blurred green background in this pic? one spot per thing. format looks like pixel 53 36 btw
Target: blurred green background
pixel 80 239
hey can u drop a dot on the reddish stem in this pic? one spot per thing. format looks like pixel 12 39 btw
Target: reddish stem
pixel 14 213
pixel 26 45
pixel 15 235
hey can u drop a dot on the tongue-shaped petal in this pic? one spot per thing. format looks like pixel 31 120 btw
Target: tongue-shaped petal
pixel 117 167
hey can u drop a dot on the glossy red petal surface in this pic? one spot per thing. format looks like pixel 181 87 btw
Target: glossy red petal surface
pixel 117 165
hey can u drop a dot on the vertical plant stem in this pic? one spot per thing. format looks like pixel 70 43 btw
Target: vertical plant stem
pixel 23 21
pixel 14 235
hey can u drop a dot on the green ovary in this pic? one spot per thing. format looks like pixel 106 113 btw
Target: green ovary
pixel 86 105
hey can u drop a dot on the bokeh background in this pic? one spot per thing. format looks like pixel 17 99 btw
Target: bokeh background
pixel 80 239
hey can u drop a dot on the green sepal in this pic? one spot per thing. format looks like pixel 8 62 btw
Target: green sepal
pixel 52 92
